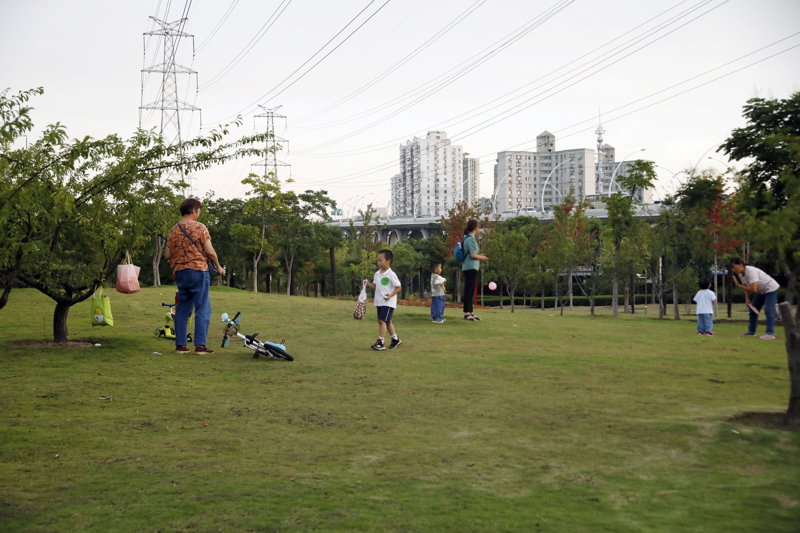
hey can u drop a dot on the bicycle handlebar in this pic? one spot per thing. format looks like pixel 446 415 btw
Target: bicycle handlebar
pixel 167 305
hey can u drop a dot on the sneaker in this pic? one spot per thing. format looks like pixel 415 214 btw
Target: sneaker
pixel 439 320
pixel 767 337
pixel 378 345
pixel 710 334
pixel 397 342
pixel 746 334
pixel 700 333
pixel 181 349
pixel 201 349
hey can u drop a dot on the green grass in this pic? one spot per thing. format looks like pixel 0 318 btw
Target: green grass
pixel 520 422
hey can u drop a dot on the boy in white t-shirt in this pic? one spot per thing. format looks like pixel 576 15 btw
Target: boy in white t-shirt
pixel 386 285
pixel 705 308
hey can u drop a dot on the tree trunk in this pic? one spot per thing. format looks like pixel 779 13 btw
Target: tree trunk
pixel 626 293
pixel 159 241
pixel 512 301
pixel 60 333
pixel 633 293
pixel 269 282
pixel 481 287
pixel 500 285
pixel 591 305
pixel 9 277
pixel 333 273
pixel 792 331
pixel 228 275
pixel 615 286
pixel 728 295
pixel 255 271
pixel 292 276
pixel 716 289
pixel 675 309
pixel 403 282
pixel 421 283
pixel 457 293
pixel 570 290
pixel 544 288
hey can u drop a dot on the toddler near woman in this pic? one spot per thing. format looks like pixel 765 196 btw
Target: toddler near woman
pixel 705 308
pixel 437 292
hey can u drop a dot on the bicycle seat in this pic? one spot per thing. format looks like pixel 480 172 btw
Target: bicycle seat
pixel 252 337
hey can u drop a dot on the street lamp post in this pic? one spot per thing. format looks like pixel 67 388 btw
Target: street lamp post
pixel 614 175
pixel 548 179
pixel 494 196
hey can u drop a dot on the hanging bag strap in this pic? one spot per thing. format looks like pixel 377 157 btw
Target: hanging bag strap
pixel 191 241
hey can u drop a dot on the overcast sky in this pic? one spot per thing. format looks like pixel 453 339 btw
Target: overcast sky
pixel 668 76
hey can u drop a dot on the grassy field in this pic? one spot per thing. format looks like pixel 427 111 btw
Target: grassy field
pixel 520 422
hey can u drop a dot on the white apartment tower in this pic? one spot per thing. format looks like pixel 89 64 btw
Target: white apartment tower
pixel 472 179
pixel 431 176
pixel 546 176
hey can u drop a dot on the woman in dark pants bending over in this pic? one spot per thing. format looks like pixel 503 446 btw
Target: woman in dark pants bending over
pixel 471 266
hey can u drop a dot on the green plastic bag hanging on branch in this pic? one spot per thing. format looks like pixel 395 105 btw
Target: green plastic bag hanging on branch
pixel 101 310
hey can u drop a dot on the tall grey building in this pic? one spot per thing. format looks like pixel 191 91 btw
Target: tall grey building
pixel 528 179
pixel 472 179
pixel 431 176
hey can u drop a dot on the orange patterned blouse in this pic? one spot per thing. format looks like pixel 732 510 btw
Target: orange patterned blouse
pixel 184 254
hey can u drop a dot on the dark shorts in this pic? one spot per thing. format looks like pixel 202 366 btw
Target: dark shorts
pixel 385 313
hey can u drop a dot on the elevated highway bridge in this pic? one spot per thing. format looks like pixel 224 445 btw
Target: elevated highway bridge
pixel 397 228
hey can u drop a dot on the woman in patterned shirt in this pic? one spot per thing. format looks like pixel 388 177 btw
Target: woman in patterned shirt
pixel 190 268
pixel 765 289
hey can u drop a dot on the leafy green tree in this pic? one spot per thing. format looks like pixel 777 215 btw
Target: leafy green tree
pixel 69 210
pixel 406 263
pixel 513 248
pixel 769 198
pixel 265 197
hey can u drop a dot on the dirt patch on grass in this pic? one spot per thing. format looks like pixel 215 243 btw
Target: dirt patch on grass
pixel 765 421
pixel 51 344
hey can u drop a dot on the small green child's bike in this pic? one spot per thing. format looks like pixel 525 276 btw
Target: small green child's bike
pixel 168 332
pixel 269 349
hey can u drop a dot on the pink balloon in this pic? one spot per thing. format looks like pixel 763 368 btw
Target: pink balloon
pixel 492 285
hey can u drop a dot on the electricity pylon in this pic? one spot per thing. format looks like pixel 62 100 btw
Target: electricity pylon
pixel 271 161
pixel 168 102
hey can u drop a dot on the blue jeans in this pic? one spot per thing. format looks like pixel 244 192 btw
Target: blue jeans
pixel 768 302
pixel 437 307
pixel 705 323
pixel 192 294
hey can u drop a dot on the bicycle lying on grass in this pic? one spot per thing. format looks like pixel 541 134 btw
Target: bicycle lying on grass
pixel 269 349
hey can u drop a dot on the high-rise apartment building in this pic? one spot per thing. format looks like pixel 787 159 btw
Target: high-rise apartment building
pixel 430 181
pixel 521 177
pixel 472 179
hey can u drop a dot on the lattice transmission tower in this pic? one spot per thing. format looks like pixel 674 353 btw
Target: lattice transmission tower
pixel 167 101
pixel 273 142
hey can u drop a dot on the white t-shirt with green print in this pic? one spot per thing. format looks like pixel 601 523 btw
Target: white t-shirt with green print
pixel 385 283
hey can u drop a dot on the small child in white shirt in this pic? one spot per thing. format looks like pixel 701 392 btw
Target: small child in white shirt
pixel 386 285
pixel 705 308
pixel 437 292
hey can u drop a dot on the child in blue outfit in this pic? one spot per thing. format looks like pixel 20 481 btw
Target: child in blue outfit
pixel 705 308
pixel 437 292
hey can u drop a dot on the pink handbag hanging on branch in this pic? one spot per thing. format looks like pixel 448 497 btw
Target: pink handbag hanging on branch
pixel 127 276
pixel 361 304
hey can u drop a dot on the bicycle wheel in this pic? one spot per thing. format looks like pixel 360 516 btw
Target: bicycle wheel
pixel 277 353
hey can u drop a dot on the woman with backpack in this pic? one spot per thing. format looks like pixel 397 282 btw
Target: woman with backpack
pixel 471 266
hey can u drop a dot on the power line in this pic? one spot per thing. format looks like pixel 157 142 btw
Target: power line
pixel 219 24
pixel 449 26
pixel 440 124
pixel 367 49
pixel 373 170
pixel 466 66
pixel 312 57
pixel 249 46
pixel 597 61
